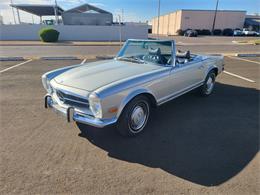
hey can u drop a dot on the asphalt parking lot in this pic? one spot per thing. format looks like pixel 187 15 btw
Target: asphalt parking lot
pixel 192 145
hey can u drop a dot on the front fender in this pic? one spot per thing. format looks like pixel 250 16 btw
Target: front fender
pixel 130 96
pixel 52 74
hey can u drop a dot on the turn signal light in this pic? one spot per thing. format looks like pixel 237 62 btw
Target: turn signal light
pixel 112 110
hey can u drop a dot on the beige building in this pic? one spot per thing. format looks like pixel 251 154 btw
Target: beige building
pixel 198 19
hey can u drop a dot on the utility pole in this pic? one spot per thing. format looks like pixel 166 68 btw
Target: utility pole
pixel 13 12
pixel 158 24
pixel 56 12
pixel 122 17
pixel 215 15
pixel 120 30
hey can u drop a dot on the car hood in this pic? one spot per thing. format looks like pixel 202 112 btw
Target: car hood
pixel 95 75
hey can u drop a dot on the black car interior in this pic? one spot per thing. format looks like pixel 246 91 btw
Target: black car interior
pixel 183 57
pixel 155 56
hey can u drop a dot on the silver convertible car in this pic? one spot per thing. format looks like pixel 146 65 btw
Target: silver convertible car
pixel 122 91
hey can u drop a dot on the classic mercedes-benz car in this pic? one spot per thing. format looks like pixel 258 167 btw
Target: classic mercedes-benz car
pixel 122 91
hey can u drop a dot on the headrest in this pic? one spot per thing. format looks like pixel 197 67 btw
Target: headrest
pixel 155 51
pixel 181 54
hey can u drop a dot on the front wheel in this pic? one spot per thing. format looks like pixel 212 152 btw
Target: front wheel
pixel 134 117
pixel 209 83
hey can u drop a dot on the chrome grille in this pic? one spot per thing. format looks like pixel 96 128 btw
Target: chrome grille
pixel 71 99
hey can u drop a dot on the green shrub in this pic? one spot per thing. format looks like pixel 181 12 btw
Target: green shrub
pixel 228 32
pixel 217 32
pixel 49 35
pixel 205 32
pixel 199 31
pixel 180 32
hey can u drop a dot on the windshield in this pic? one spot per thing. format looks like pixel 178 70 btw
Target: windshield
pixel 156 52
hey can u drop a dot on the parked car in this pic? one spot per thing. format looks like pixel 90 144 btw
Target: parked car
pixel 191 33
pixel 248 32
pixel 122 91
pixel 238 33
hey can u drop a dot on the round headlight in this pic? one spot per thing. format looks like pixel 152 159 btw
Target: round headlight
pixel 46 84
pixel 49 89
pixel 44 81
pixel 95 105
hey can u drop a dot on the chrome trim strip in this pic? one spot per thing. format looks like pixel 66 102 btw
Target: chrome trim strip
pixel 81 110
pixel 79 117
pixel 175 95
pixel 55 87
pixel 80 102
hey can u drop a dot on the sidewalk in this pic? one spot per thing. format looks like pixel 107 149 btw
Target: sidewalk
pixel 60 43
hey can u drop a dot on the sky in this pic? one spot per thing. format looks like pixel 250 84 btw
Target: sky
pixel 134 10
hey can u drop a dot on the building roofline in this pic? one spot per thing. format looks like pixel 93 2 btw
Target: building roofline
pixel 199 10
pixel 26 8
pixel 92 7
pixel 212 10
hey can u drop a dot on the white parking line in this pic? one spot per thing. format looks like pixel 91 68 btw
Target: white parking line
pixel 240 77
pixel 15 66
pixel 237 58
pixel 83 62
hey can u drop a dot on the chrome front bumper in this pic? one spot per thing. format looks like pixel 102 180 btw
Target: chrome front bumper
pixel 72 115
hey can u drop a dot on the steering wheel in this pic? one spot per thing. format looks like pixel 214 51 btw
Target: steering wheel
pixel 155 56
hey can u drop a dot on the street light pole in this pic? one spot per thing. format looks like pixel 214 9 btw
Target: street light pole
pixel 158 24
pixel 215 15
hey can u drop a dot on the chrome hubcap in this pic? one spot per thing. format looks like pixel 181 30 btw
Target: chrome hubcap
pixel 210 85
pixel 138 118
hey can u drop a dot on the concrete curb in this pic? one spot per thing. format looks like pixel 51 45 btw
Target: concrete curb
pixel 247 55
pixel 104 57
pixel 63 44
pixel 242 43
pixel 60 58
pixel 235 54
pixel 12 59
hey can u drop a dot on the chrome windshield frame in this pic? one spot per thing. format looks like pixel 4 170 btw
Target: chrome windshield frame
pixel 173 50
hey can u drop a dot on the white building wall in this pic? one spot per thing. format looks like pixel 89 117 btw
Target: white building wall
pixel 198 19
pixel 75 32
pixel 204 19
pixel 86 19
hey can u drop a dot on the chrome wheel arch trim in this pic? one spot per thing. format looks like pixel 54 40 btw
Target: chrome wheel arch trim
pixel 131 96
pixel 210 69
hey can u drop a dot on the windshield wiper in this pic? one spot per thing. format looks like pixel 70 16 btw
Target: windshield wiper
pixel 131 59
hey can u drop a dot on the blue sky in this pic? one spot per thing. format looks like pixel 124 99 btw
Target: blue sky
pixel 136 10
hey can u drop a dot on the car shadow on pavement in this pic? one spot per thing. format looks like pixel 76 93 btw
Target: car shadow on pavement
pixel 203 140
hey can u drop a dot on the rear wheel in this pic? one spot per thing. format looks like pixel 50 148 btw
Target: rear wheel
pixel 209 84
pixel 134 117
